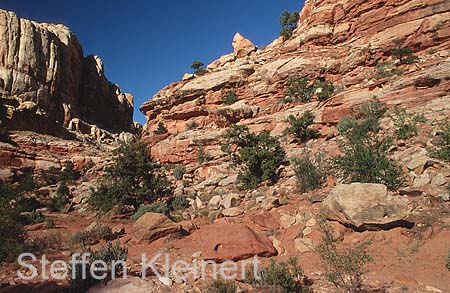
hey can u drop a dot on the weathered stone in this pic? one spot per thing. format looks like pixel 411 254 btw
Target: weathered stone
pixel 366 206
pixel 304 245
pixel 152 226
pixel 227 241
pixel 42 67
pixel 232 212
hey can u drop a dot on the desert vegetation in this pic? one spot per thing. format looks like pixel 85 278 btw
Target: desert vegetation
pixel 259 155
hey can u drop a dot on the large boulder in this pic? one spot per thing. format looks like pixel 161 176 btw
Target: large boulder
pixel 242 46
pixel 366 206
pixel 229 241
pixel 152 226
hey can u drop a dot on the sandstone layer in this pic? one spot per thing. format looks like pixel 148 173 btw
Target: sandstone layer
pixel 341 41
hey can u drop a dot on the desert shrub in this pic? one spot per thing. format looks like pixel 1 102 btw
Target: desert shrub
pixel 44 244
pixel 405 124
pixel 199 68
pixel 442 142
pixel 259 155
pixel 202 155
pixel 161 208
pixel 31 218
pixel 107 254
pixel 285 276
pixel 405 55
pixel 27 183
pixel 3 117
pixel 179 203
pixel 448 261
pixel 161 129
pixel 364 150
pixel 324 90
pixel 230 98
pixel 288 22
pixel 191 125
pixel 62 198
pixel 311 173
pixel 92 236
pixel 386 69
pixel 221 286
pixel 344 268
pixel 179 171
pixel 300 127
pixel 68 174
pixel 133 179
pixel 299 89
pixel 11 230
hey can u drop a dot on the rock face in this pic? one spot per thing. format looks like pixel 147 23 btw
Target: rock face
pixel 46 82
pixel 366 206
pixel 153 226
pixel 341 41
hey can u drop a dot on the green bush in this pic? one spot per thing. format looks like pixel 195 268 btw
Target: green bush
pixel 68 174
pixel 405 124
pixel 62 198
pixel 386 69
pixel 202 155
pixel 27 183
pixel 324 89
pixel 45 244
pixel 280 276
pixel 259 155
pixel 299 89
pixel 288 22
pixel 364 150
pixel 134 178
pixel 344 268
pixel 93 236
pixel 405 55
pixel 106 254
pixel 179 203
pixel 442 142
pixel 448 261
pixel 11 230
pixel 31 218
pixel 300 127
pixel 179 171
pixel 311 173
pixel 221 286
pixel 199 68
pixel 161 129
pixel 230 98
pixel 161 208
pixel 191 125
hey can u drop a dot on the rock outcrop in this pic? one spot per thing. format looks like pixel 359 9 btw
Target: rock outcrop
pixel 46 82
pixel 341 41
pixel 366 206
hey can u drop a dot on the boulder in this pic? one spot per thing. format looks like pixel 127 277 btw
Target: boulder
pixel 232 212
pixel 229 241
pixel 130 284
pixel 242 46
pixel 366 206
pixel 152 226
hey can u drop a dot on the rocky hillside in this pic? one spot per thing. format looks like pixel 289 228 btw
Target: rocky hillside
pixel 46 83
pixel 340 41
pixel 332 146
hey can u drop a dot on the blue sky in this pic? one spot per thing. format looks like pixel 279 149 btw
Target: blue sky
pixel 147 44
